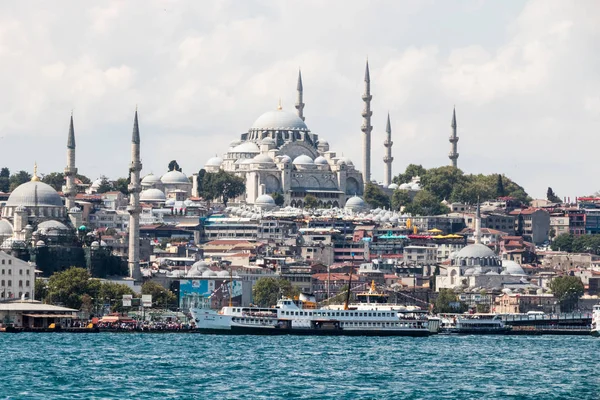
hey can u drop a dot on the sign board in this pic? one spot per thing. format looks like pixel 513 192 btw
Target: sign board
pixel 127 300
pixel 146 300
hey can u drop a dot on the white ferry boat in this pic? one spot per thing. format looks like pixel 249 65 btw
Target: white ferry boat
pixel 301 317
pixel 482 324
pixel 596 321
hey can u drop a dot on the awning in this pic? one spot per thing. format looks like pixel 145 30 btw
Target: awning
pixel 49 315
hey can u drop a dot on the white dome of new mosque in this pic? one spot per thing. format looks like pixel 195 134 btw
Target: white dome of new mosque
pixel 279 154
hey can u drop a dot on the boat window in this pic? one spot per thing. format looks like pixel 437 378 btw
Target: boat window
pixel 296 312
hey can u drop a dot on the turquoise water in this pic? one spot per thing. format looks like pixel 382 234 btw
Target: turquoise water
pixel 173 366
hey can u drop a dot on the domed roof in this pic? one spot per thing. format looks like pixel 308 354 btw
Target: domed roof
pixel 323 142
pixel 223 274
pixel 346 160
pixel 355 203
pixel 321 161
pixel 264 199
pixel 393 186
pixel 512 268
pixel 152 195
pixel 285 159
pixel 209 273
pixel 49 225
pixel 268 141
pixel 174 177
pixel 96 184
pixel 262 159
pixel 469 271
pixel 279 120
pixel 75 210
pixel 34 193
pixel 151 179
pixel 6 228
pixel 214 162
pixel 303 159
pixel 476 250
pixel 404 186
pixel 246 147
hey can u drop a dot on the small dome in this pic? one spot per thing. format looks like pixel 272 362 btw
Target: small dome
pixel 95 244
pixel 268 141
pixel 214 162
pixel 209 273
pixel 75 210
pixel 415 186
pixel 262 159
pixel 246 147
pixel 492 273
pixel 34 194
pixel 355 203
pixel 285 159
pixel 278 120
pixel 264 199
pixel 393 186
pixel 6 228
pixel 346 160
pixel 512 268
pixel 151 179
pixel 404 186
pixel 52 225
pixel 170 202
pixel 96 184
pixel 303 160
pixel 12 243
pixel 223 274
pixel 321 161
pixel 174 177
pixel 152 195
pixel 40 243
pixel 469 271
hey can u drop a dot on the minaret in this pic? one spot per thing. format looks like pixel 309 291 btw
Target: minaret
pixel 70 189
pixel 387 159
pixel 299 103
pixel 477 233
pixel 453 141
pixel 134 208
pixel 367 128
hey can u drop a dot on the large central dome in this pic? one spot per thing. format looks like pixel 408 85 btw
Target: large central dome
pixel 34 194
pixel 278 120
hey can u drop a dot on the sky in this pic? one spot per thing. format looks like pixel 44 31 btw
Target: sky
pixel 524 77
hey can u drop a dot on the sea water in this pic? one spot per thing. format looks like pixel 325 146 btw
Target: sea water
pixel 179 366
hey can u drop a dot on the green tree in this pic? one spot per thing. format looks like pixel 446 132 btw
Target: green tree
pixel 266 291
pixel 18 179
pixel 84 179
pixel 441 181
pixel 310 201
pixel 278 198
pixel 112 293
pixel 552 197
pixel 160 296
pixel 567 290
pixel 500 186
pixel 376 197
pixel 223 185
pixel 411 171
pixel 445 302
pixel 4 180
pixel 122 185
pixel 563 242
pixel 200 178
pixel 400 198
pixel 425 203
pixel 105 185
pixel 40 290
pixel 54 179
pixel 173 166
pixel 68 286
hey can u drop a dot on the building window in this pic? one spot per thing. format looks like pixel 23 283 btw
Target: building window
pixel 20 284
pixel 9 262
pixel 20 272
pixel 3 282
pixel 27 283
pixel 9 282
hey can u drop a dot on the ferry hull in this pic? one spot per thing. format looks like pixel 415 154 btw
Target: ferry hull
pixel 239 330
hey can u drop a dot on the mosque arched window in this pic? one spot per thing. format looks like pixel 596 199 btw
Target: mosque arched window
pixel 9 283
pixel 20 283
pixel 3 282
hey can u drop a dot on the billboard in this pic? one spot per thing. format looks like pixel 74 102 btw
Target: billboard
pixel 146 300
pixel 127 300
pixel 208 293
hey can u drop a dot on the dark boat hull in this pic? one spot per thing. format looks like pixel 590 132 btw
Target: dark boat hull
pixel 238 330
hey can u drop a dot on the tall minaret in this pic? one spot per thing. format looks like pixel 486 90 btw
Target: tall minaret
pixel 70 189
pixel 299 103
pixel 387 159
pixel 134 208
pixel 477 233
pixel 366 127
pixel 453 141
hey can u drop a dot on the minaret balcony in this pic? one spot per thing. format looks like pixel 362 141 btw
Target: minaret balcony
pixel 70 171
pixel 388 143
pixel 367 97
pixel 388 159
pixel 453 139
pixel 367 114
pixel 453 156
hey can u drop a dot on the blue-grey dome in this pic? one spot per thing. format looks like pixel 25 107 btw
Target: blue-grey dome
pixel 355 203
pixel 174 177
pixel 34 193
pixel 278 120
pixel 6 228
pixel 152 195
pixel 246 147
pixel 476 250
pixel 303 159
